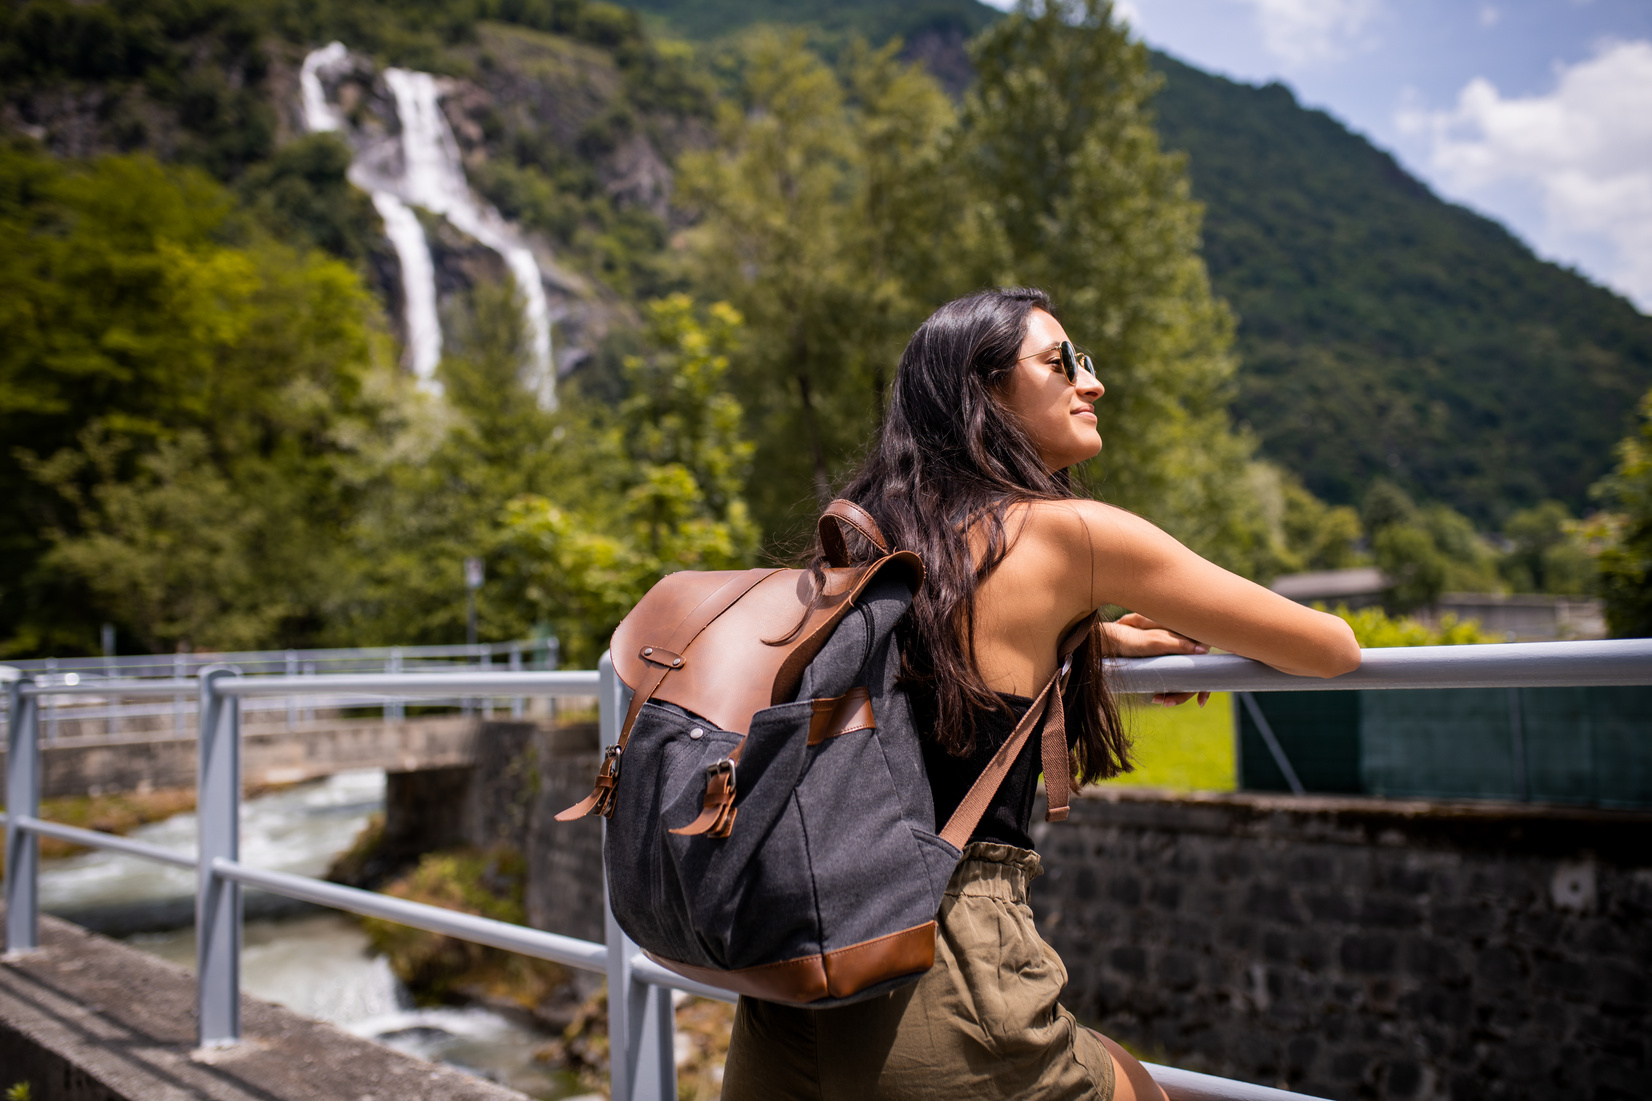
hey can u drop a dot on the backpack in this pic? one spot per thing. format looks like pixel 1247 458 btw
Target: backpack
pixel 771 830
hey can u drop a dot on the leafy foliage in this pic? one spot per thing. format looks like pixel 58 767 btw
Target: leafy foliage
pixel 874 20
pixel 1375 628
pixel 672 467
pixel 1547 552
pixel 1626 560
pixel 488 883
pixel 1424 550
pixel 1081 200
pixel 795 211
pixel 168 399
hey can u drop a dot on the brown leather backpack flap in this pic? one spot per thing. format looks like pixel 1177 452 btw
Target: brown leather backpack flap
pixel 736 665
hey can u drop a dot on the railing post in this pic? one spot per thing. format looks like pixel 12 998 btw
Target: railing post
pixel 641 1025
pixel 52 729
pixel 178 700
pixel 22 799
pixel 218 900
pixel 395 709
pixel 292 701
pixel 516 667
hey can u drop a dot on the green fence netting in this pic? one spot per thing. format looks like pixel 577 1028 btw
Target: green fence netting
pixel 1553 745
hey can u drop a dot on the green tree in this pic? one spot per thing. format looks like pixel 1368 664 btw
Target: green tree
pixel 433 488
pixel 1626 560
pixel 1424 551
pixel 823 214
pixel 676 463
pixel 1321 536
pixel 1546 552
pixel 1058 140
pixel 152 378
pixel 302 195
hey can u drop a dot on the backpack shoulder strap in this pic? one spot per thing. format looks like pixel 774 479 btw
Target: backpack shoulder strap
pixel 1056 756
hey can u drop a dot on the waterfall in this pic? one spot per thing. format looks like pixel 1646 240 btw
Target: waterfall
pixel 432 176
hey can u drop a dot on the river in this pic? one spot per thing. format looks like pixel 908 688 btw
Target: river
pixel 315 962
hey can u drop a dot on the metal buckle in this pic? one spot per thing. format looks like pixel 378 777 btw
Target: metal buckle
pixel 720 767
pixel 611 759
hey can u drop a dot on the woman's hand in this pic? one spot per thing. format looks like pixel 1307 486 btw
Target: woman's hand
pixel 1136 636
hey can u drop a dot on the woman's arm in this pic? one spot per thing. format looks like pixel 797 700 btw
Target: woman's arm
pixel 1124 560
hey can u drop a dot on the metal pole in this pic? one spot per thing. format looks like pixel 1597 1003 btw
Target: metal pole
pixel 1517 747
pixel 641 1025
pixel 51 702
pixel 218 900
pixel 552 653
pixel 292 703
pixel 22 800
pixel 178 700
pixel 397 709
pixel 108 639
pixel 516 667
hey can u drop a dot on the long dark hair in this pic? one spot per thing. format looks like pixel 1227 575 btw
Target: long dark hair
pixel 950 460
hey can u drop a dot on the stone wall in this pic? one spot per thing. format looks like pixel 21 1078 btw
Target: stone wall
pixel 524 774
pixel 1356 948
pixel 1343 947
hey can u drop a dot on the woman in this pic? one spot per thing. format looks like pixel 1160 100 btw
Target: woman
pixel 991 407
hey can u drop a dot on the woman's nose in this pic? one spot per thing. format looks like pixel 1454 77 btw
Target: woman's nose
pixel 1088 384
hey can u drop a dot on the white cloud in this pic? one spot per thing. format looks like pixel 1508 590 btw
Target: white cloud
pixel 1301 32
pixel 1586 147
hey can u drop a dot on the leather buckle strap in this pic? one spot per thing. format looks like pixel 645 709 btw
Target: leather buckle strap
pixel 841 513
pixel 601 799
pixel 718 811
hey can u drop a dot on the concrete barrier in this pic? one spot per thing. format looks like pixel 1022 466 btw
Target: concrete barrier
pixel 270 754
pixel 84 1018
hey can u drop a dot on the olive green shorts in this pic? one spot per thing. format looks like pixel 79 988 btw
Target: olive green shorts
pixel 982 1023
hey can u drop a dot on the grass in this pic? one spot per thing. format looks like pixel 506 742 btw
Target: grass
pixel 1182 748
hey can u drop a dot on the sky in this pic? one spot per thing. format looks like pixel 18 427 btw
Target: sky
pixel 1537 113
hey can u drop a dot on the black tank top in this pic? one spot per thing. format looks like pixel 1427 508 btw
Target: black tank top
pixel 1008 819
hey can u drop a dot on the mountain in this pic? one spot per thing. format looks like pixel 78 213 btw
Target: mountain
pixel 1383 331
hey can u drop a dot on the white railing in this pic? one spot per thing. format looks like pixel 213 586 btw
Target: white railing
pixel 640 1017
pixel 98 716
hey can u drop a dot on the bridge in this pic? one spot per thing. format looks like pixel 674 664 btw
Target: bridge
pixel 641 1020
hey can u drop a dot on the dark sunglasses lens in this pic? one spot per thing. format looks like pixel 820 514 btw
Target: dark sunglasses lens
pixel 1069 361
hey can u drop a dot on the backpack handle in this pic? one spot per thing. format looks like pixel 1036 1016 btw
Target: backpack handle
pixel 843 513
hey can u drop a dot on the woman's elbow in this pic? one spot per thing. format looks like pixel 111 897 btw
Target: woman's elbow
pixel 1341 653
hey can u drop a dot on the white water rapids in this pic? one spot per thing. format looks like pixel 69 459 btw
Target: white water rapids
pixel 431 175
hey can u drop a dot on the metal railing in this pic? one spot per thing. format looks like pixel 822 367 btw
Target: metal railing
pixel 102 716
pixel 640 1019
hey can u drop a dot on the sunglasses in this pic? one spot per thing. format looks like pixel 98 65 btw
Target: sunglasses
pixel 1072 361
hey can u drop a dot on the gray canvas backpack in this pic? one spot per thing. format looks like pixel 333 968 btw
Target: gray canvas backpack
pixel 771 830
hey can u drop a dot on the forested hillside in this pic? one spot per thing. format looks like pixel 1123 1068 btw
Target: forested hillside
pixel 1382 331
pixel 1385 332
pixel 218 435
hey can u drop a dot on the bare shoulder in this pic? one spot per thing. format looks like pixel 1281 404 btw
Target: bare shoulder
pixel 1094 528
